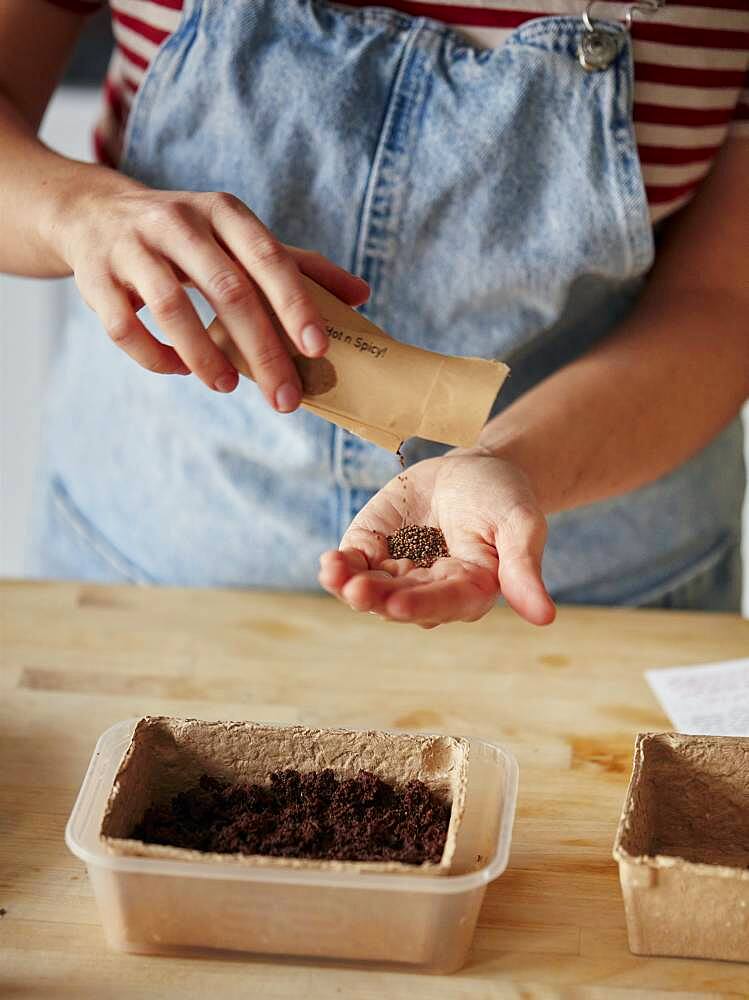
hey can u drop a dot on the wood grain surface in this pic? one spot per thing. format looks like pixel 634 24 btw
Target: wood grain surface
pixel 568 700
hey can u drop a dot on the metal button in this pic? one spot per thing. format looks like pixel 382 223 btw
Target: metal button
pixel 597 50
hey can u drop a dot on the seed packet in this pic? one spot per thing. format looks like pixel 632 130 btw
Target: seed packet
pixel 382 389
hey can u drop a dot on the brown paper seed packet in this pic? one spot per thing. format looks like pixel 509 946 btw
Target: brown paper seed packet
pixel 381 389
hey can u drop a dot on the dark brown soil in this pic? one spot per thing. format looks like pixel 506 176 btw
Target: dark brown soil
pixel 304 816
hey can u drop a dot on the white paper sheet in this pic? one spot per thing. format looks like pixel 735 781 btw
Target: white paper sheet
pixel 707 700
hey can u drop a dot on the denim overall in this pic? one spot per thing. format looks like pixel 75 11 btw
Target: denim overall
pixel 494 202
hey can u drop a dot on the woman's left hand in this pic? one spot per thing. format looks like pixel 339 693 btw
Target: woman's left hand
pixel 495 533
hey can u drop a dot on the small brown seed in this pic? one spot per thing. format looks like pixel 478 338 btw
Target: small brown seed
pixel 422 545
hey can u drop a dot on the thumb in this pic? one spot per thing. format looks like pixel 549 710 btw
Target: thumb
pixel 520 540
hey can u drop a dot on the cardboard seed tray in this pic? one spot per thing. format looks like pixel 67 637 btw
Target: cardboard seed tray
pixel 683 847
pixel 167 756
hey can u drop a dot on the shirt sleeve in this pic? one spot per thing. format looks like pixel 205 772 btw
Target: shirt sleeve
pixel 740 121
pixel 79 6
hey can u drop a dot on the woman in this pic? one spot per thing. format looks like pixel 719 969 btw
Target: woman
pixel 493 201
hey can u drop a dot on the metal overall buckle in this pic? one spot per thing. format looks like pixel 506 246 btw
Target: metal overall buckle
pixel 599 48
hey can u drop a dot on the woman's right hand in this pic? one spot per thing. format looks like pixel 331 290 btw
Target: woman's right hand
pixel 128 245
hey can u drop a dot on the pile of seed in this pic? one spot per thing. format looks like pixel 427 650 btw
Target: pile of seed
pixel 422 545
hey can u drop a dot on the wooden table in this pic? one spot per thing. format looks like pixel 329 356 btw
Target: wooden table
pixel 568 700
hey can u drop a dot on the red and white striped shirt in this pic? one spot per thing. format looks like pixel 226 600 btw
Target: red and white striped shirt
pixel 691 72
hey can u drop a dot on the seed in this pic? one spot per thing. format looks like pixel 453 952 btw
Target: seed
pixel 422 545
pixel 403 480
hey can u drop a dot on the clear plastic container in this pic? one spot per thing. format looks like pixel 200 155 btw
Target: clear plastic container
pixel 163 906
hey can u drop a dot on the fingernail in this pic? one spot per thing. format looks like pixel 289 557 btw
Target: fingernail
pixel 182 370
pixel 226 382
pixel 314 339
pixel 288 397
pixel 360 280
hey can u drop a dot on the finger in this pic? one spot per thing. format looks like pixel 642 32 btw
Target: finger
pixel 520 544
pixel 239 307
pixel 270 264
pixel 346 286
pixel 362 593
pixel 523 589
pixel 440 602
pixel 367 591
pixel 113 306
pixel 370 591
pixel 337 567
pixel 397 567
pixel 158 286
pixel 373 544
pixel 133 298
pixel 332 578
